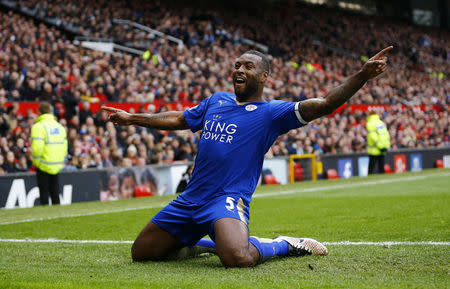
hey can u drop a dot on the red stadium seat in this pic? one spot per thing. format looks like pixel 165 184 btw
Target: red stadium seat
pixel 298 172
pixel 439 164
pixel 332 174
pixel 270 180
pixel 387 169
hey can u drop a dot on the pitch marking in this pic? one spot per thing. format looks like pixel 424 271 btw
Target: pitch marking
pixel 342 243
pixel 85 214
pixel 254 196
pixel 345 186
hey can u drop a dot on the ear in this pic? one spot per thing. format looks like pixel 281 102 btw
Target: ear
pixel 264 76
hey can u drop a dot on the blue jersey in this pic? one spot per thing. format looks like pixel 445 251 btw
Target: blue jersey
pixel 233 143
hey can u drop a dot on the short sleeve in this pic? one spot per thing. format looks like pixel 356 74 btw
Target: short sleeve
pixel 194 116
pixel 286 116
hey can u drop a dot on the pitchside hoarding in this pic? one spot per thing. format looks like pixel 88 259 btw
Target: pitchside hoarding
pixel 363 166
pixel 400 163
pixel 20 190
pixel 345 168
pixel 416 162
pixel 399 160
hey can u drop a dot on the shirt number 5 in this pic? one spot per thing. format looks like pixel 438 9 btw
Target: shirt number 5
pixel 230 203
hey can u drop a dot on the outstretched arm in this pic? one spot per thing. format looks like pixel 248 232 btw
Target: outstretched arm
pixel 316 107
pixel 171 120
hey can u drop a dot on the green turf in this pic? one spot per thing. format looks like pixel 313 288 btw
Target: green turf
pixel 408 207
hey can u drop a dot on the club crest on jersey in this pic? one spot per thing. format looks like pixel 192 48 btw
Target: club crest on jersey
pixel 251 107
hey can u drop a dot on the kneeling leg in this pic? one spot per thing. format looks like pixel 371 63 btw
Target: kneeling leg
pixel 154 243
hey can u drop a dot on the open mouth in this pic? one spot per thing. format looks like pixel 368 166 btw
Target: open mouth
pixel 239 80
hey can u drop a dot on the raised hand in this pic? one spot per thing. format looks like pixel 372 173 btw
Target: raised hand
pixel 117 116
pixel 377 64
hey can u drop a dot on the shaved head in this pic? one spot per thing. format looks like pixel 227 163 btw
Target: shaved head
pixel 265 63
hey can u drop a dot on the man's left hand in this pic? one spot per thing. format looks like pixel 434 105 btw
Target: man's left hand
pixel 376 65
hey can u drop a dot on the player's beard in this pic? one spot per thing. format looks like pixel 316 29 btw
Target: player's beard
pixel 251 87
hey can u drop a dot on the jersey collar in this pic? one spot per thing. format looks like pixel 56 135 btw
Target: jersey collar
pixel 247 102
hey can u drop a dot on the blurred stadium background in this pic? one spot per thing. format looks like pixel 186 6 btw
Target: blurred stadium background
pixel 152 56
pixel 156 56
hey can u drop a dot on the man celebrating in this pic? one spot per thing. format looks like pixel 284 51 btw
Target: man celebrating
pixel 237 130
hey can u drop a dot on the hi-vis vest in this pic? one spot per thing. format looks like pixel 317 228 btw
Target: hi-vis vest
pixel 49 144
pixel 377 135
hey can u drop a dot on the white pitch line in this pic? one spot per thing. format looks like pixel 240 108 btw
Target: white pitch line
pixel 84 214
pixel 386 243
pixel 64 241
pixel 324 188
pixel 342 243
pixel 344 186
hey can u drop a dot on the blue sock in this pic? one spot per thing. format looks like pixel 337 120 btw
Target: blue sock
pixel 208 243
pixel 268 248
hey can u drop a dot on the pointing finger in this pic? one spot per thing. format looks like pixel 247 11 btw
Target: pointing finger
pixel 380 54
pixel 110 109
pixel 377 62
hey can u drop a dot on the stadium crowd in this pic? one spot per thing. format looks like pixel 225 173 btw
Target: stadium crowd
pixel 39 63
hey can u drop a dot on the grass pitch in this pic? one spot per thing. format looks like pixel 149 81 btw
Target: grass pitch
pixel 410 207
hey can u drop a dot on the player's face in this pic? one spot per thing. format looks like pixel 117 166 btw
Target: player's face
pixel 246 75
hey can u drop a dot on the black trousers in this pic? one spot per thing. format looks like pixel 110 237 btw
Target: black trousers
pixel 48 184
pixel 376 162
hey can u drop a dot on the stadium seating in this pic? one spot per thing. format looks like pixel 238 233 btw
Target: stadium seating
pixel 73 74
pixel 298 172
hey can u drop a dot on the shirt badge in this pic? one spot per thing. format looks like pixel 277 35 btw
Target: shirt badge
pixel 250 107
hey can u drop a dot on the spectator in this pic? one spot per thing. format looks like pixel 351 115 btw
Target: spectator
pixel 4 126
pixel 21 165
pixel 9 165
pixel 85 112
pixel 185 179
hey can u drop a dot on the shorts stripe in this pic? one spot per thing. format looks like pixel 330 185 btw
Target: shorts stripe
pixel 241 210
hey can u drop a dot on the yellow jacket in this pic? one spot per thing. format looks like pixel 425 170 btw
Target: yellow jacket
pixel 49 144
pixel 378 139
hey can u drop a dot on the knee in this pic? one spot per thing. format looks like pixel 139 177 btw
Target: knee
pixel 140 253
pixel 136 254
pixel 238 259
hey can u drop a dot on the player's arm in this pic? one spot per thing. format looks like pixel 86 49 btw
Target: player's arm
pixel 171 120
pixel 316 107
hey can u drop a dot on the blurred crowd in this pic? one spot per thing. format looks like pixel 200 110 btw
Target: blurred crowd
pixel 39 63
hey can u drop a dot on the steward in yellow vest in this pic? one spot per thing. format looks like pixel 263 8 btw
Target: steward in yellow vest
pixel 49 146
pixel 378 142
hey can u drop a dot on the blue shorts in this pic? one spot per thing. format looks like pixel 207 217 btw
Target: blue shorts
pixel 191 222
